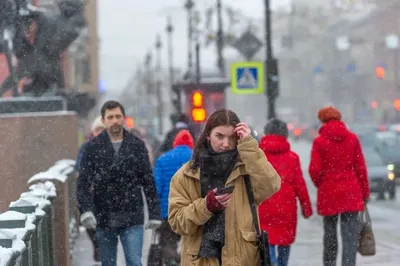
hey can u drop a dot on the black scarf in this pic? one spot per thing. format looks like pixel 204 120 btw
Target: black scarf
pixel 215 168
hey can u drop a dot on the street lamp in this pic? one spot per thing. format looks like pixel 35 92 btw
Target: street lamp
pixel 170 29
pixel 197 20
pixel 148 70
pixel 160 108
pixel 271 67
pixel 392 42
pixel 220 39
pixel 189 5
pixel 176 100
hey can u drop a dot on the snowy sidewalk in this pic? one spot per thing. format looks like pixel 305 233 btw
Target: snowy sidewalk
pixel 308 247
pixel 83 255
pixel 385 216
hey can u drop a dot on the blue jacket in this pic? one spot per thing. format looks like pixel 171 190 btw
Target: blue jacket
pixel 165 168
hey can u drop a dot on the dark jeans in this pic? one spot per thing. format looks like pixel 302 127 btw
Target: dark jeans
pixel 350 229
pixel 283 255
pixel 169 244
pixel 132 243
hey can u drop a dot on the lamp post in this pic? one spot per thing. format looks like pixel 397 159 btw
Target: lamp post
pixel 149 83
pixel 189 7
pixel 220 39
pixel 197 33
pixel 271 68
pixel 392 42
pixel 176 96
pixel 160 106
pixel 343 45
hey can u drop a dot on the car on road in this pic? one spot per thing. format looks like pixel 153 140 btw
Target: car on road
pixel 381 176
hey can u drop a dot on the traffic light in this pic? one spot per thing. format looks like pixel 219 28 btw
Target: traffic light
pixel 380 72
pixel 374 104
pixel 397 104
pixel 129 122
pixel 197 99
pixel 198 112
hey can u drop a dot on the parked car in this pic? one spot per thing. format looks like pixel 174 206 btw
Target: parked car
pixel 381 175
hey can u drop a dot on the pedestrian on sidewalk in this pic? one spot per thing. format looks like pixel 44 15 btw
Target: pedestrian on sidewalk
pixel 96 129
pixel 166 167
pixel 338 171
pixel 181 122
pixel 116 163
pixel 278 214
pixel 218 229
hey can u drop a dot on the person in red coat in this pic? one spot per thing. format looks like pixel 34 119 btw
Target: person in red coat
pixel 278 214
pixel 337 169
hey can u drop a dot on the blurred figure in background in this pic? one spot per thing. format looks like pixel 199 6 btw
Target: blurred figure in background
pixel 140 133
pixel 181 123
pixel 278 214
pixel 96 129
pixel 166 167
pixel 338 171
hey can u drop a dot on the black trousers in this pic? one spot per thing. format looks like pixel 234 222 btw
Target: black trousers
pixel 350 230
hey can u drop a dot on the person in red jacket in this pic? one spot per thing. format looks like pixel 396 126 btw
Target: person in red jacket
pixel 278 214
pixel 337 169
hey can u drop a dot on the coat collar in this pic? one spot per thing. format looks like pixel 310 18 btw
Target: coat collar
pixel 238 170
pixel 107 148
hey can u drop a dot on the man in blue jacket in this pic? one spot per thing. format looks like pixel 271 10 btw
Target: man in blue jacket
pixel 117 165
pixel 165 168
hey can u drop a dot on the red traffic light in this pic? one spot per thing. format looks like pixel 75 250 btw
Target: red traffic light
pixel 380 72
pixel 197 99
pixel 129 122
pixel 198 114
pixel 397 104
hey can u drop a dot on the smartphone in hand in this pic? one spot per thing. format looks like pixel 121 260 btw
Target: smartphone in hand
pixel 225 190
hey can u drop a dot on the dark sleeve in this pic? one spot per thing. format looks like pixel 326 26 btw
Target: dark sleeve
pixel 148 184
pixel 79 157
pixel 167 144
pixel 83 184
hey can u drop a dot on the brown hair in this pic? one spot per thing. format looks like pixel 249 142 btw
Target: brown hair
pixel 111 105
pixel 221 117
pixel 329 113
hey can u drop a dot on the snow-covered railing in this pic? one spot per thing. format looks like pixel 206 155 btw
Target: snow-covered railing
pixel 39 228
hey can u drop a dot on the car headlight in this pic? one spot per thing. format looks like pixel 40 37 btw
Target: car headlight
pixel 391 176
pixel 390 167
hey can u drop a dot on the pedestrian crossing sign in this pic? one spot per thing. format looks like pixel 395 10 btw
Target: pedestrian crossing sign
pixel 247 78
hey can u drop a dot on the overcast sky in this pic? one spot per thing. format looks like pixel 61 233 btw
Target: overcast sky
pixel 127 30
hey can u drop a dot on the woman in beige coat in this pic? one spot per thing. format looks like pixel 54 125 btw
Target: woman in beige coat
pixel 219 229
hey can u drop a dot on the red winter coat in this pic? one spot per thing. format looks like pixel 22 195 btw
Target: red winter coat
pixel 338 170
pixel 278 214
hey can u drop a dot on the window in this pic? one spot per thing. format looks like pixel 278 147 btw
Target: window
pixel 86 70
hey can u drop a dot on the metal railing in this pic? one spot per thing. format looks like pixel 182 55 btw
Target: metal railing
pixel 39 228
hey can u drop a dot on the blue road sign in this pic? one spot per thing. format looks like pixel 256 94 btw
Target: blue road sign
pixel 247 78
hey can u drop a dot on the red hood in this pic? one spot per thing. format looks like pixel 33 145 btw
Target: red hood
pixel 335 130
pixel 274 144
